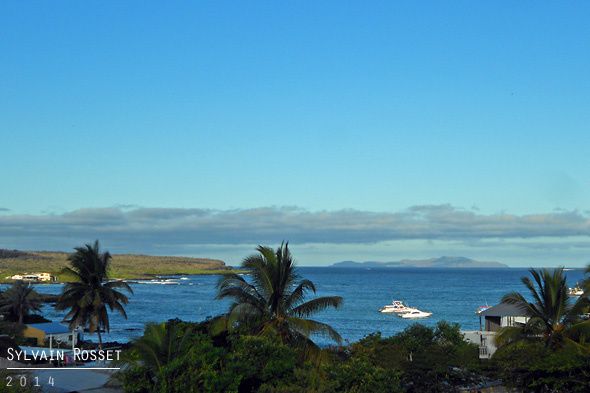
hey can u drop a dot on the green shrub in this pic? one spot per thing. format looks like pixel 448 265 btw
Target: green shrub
pixel 419 359
pixel 533 367
pixel 359 375
pixel 425 359
pixel 136 379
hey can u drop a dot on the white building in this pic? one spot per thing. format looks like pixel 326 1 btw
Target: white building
pixel 494 318
pixel 44 277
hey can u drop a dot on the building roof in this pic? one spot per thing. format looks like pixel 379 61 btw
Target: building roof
pixel 504 310
pixel 50 327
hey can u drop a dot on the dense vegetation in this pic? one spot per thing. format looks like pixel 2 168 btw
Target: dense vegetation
pixel 258 352
pixel 185 357
pixel 123 265
pixel 534 367
pixel 263 344
pixel 551 352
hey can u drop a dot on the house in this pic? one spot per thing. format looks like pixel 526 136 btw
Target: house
pixel 44 277
pixel 502 315
pixel 55 334
pixel 494 318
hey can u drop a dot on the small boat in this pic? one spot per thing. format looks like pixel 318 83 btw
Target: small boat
pixel 575 291
pixel 416 314
pixel 396 306
pixel 481 309
pixel 159 282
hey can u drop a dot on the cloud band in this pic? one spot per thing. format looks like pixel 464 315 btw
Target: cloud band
pixel 170 226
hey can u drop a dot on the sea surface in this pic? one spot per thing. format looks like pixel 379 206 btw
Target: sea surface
pixel 450 294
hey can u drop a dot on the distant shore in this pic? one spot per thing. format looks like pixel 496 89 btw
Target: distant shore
pixel 124 266
pixel 444 262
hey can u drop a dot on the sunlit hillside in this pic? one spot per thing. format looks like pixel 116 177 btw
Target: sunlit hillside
pixel 123 265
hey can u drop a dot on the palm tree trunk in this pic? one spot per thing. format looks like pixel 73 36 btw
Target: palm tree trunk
pixel 99 339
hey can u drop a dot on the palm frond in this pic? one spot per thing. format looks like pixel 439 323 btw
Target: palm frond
pixel 243 311
pixel 119 284
pixel 260 271
pixel 509 334
pixel 580 332
pixel 299 293
pixel 318 304
pixel 308 327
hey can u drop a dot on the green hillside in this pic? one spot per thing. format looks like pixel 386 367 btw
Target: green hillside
pixel 126 266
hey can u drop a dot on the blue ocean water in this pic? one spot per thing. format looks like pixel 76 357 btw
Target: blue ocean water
pixel 450 294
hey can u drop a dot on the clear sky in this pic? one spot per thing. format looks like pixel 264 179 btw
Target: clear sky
pixel 259 121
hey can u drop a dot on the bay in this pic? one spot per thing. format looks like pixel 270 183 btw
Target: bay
pixel 450 294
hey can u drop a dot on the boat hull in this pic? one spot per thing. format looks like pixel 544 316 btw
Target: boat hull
pixel 416 316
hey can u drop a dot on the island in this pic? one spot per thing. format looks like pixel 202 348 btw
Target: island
pixel 440 262
pixel 123 266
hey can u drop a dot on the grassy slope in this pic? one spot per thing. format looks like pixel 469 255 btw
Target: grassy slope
pixel 123 266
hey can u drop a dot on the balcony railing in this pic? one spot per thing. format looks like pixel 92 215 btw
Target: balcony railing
pixel 484 340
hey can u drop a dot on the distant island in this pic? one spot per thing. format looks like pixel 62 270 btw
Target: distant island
pixel 441 262
pixel 123 266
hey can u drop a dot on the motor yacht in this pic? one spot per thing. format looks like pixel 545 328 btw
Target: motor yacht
pixel 396 306
pixel 575 291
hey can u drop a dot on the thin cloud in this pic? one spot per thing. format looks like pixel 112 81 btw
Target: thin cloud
pixel 146 227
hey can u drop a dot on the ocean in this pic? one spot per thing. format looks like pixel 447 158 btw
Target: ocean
pixel 450 294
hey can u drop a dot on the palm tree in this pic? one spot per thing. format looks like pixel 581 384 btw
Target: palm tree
pixel 273 303
pixel 19 300
pixel 554 317
pixel 90 293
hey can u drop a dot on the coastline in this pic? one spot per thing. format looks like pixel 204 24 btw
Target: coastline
pixel 124 266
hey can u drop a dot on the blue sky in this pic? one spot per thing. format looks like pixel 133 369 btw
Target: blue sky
pixel 320 109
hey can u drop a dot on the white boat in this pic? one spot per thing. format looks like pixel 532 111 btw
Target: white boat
pixel 396 306
pixel 575 291
pixel 158 282
pixel 481 309
pixel 416 314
